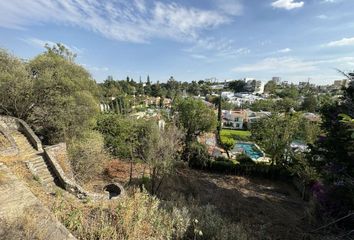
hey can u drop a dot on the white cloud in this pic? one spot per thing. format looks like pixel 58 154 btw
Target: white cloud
pixel 291 65
pixel 40 43
pixel 285 50
pixel 233 7
pixel 341 42
pixel 120 20
pixel 287 4
pixel 282 64
pixel 322 16
pixel 216 48
pixel 199 56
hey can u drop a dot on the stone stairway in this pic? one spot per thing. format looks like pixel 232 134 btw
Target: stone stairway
pixel 33 159
pixel 40 169
pixel 18 202
pixel 26 149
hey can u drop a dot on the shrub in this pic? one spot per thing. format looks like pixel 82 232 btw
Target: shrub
pixel 197 155
pixel 87 156
pixel 138 216
pixel 245 159
pixel 223 166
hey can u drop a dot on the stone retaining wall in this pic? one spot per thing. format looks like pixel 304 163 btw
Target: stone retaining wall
pixel 20 125
pixel 69 184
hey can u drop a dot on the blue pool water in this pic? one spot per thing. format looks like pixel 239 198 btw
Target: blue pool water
pixel 250 150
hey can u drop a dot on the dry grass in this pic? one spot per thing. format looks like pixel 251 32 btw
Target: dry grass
pixel 24 227
pixel 138 216
pixel 4 142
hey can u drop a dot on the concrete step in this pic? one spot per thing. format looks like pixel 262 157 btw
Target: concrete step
pixel 40 167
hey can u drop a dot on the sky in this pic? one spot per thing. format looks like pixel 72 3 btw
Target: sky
pixel 297 40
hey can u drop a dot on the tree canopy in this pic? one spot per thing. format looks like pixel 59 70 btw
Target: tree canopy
pixel 195 117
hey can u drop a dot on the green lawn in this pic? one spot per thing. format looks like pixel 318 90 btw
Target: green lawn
pixel 235 133
pixel 241 135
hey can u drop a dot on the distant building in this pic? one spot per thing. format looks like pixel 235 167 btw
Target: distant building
pixel 338 84
pixel 276 80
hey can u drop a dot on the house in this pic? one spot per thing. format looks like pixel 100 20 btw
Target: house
pixel 233 119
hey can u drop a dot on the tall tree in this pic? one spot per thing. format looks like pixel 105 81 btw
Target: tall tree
pixel 195 117
pixel 275 134
pixel 238 86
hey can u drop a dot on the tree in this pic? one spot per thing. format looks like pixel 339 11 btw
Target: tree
pixel 66 96
pixel 275 134
pixel 159 149
pixel 270 87
pixel 195 117
pixel 56 96
pixel 16 87
pixel 238 86
pixel 286 104
pixel 310 103
pixel 335 148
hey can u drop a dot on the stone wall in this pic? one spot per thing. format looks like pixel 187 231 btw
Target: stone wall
pixel 68 184
pixel 8 151
pixel 20 125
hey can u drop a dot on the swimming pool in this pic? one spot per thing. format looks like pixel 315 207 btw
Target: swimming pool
pixel 250 149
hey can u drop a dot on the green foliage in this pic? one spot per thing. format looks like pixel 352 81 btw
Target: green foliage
pixel 275 134
pixel 263 105
pixel 159 149
pixel 118 134
pixel 228 143
pixel 310 103
pixel 223 166
pixel 245 159
pixel 16 87
pixel 197 155
pixel 289 92
pixel 87 156
pixel 195 117
pixel 302 168
pixel 308 131
pixel 55 95
pixel 270 87
pixel 238 86
pixel 286 104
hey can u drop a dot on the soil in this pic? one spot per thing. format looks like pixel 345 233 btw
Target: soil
pixel 270 210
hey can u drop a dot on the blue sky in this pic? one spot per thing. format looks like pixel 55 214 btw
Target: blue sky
pixel 189 39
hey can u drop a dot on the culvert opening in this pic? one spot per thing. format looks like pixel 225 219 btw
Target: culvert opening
pixel 113 190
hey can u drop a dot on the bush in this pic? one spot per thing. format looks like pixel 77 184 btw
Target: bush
pixel 138 216
pixel 223 166
pixel 197 155
pixel 245 159
pixel 87 156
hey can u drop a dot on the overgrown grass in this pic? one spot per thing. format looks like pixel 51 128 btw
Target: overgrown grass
pixel 138 216
pixel 142 216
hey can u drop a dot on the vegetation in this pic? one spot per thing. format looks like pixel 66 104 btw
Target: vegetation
pixel 275 134
pixel 60 100
pixel 195 117
pixel 55 95
pixel 227 134
pixel 87 156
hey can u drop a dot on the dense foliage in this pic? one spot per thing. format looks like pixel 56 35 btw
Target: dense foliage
pixel 55 95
